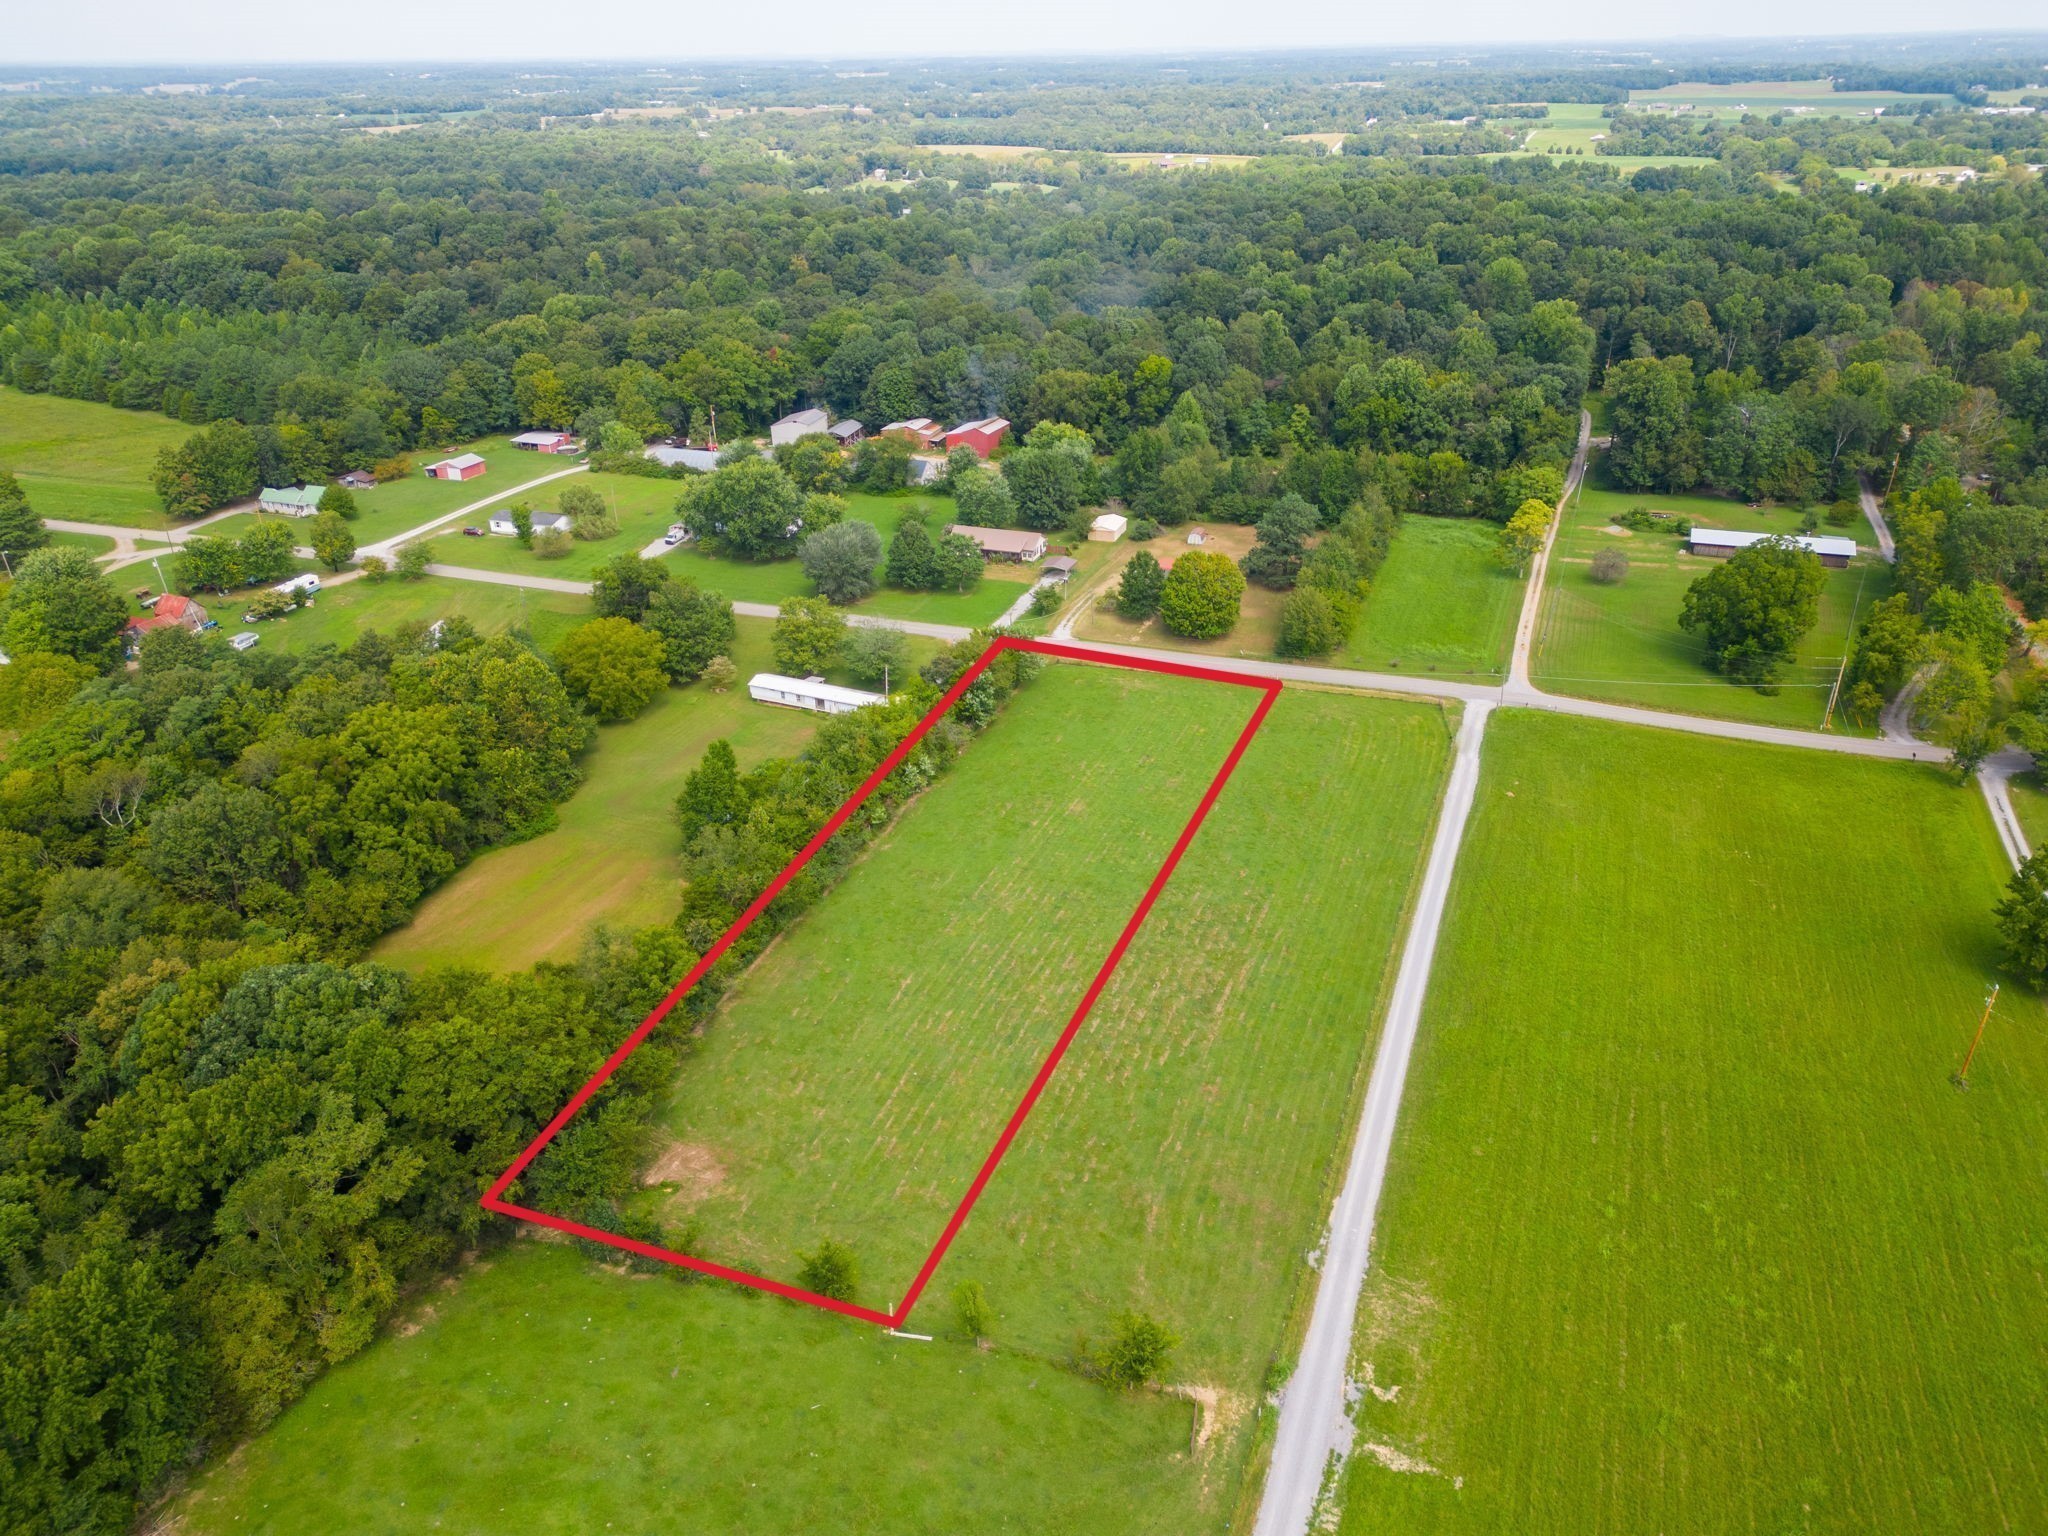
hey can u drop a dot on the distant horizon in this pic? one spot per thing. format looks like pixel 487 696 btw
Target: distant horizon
pixel 57 40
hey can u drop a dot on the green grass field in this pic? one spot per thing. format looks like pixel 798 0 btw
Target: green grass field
pixel 94 544
pixel 1577 129
pixel 1686 1229
pixel 1181 1161
pixel 547 1396
pixel 343 612
pixel 646 507
pixel 1623 643
pixel 1441 603
pixel 85 462
pixel 612 857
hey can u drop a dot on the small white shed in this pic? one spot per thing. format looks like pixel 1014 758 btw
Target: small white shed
pixel 1108 528
pixel 812 693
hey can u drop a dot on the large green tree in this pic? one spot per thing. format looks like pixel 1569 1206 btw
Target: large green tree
pixel 613 665
pixel 841 560
pixel 60 603
pixel 694 625
pixel 749 508
pixel 1752 610
pixel 21 531
pixel 807 636
pixel 1201 594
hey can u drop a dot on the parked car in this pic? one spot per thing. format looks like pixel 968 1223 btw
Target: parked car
pixel 245 639
pixel 676 534
pixel 471 531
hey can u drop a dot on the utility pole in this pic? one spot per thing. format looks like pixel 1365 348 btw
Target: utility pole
pixel 1962 1078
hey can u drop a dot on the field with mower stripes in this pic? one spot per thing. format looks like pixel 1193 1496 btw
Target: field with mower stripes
pixel 1686 1228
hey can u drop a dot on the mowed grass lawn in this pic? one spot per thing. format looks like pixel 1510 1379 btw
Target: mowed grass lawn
pixel 1622 642
pixel 1686 1228
pixel 547 1396
pixel 85 462
pixel 346 610
pixel 645 508
pixel 612 855
pixel 1442 603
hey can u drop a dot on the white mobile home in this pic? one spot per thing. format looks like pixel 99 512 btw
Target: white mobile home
pixel 812 693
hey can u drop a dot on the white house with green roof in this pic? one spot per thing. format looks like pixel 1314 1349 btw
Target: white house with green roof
pixel 292 501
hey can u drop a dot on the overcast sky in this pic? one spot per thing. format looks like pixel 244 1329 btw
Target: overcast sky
pixel 153 31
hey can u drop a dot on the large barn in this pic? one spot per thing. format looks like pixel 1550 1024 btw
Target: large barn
pixel 1720 543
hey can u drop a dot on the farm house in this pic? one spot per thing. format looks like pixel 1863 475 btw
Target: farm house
pixel 1017 545
pixel 291 501
pixel 812 693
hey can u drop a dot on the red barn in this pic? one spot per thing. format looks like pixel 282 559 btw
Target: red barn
pixel 464 466
pixel 982 436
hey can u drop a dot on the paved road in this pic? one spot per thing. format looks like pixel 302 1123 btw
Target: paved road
pixel 1313 1424
pixel 1875 515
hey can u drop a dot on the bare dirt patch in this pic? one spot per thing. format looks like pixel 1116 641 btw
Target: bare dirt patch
pixel 1217 1413
pixel 1617 531
pixel 693 1170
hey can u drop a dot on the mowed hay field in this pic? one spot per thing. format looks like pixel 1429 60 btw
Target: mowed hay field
pixel 1623 643
pixel 85 462
pixel 1179 1161
pixel 1686 1228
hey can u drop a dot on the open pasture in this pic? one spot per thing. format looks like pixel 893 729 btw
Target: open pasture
pixel 1622 642
pixel 1443 602
pixel 1686 1228
pixel 1180 1158
pixel 86 462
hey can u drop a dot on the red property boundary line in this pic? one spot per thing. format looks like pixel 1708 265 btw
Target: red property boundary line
pixel 493 1199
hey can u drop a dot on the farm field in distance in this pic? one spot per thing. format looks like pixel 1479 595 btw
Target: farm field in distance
pixel 1686 1227
pixel 1763 97
pixel 1622 642
pixel 612 857
pixel 85 462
